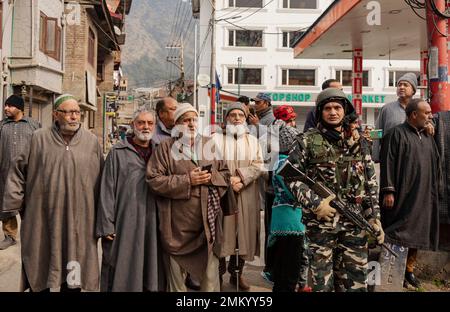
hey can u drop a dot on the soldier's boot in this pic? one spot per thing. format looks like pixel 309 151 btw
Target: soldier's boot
pixel 7 242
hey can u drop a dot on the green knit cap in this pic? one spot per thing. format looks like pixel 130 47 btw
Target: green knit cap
pixel 62 98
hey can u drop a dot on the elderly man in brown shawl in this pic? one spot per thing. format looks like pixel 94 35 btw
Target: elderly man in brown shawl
pixel 189 184
pixel 55 185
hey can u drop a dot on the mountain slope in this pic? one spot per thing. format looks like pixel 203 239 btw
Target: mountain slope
pixel 150 26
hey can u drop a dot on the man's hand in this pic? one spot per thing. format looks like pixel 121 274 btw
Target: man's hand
pixel 354 137
pixel 110 237
pixel 429 128
pixel 324 210
pixel 366 133
pixel 235 180
pixel 355 134
pixel 377 227
pixel 388 201
pixel 253 119
pixel 237 187
pixel 236 183
pixel 199 177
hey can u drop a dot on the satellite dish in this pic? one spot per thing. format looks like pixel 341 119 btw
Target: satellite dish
pixel 203 80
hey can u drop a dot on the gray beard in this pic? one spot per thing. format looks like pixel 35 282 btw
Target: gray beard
pixel 145 137
pixel 67 129
pixel 238 130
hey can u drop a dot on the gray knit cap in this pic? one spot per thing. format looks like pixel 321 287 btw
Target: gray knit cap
pixel 411 78
pixel 236 105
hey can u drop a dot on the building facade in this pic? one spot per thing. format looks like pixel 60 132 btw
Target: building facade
pixel 253 54
pixel 51 47
pixel 33 54
pixel 93 46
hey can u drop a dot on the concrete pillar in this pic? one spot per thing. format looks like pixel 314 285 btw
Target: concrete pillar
pixel 357 82
pixel 423 73
pixel 370 116
pixel 438 57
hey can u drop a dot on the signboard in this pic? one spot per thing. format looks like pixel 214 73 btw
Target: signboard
pixel 291 97
pixel 311 97
pixel 111 103
pixel 371 98
pixel 392 269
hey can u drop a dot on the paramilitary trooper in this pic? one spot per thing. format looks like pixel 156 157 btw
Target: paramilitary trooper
pixel 332 154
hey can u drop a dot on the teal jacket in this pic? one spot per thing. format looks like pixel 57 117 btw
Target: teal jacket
pixel 286 217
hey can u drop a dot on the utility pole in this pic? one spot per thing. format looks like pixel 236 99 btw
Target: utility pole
pixel 178 61
pixel 239 75
pixel 195 67
pixel 437 53
pixel 212 94
pixel 213 63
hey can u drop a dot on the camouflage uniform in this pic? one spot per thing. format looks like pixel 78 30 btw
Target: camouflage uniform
pixel 340 166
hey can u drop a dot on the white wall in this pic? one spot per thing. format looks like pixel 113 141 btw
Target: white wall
pixel 204 60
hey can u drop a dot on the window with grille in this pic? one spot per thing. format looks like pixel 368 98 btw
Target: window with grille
pixel 394 75
pixel 245 3
pixel 250 76
pixel 50 36
pixel 345 77
pixel 298 77
pixel 245 38
pixel 300 4
pixel 290 37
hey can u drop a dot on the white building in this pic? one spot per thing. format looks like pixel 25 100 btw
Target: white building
pixel 260 33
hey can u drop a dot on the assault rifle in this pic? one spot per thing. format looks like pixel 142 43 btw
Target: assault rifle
pixel 290 173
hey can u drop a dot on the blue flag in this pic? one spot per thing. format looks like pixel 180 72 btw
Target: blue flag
pixel 218 88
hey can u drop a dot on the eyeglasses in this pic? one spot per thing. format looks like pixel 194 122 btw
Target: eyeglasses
pixel 236 115
pixel 69 113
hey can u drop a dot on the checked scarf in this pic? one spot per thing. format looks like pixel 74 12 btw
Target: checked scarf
pixel 213 210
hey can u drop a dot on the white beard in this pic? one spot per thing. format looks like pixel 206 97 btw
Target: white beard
pixel 238 130
pixel 183 133
pixel 66 128
pixel 143 136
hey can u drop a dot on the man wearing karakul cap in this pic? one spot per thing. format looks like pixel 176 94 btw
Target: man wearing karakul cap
pixel 55 185
pixel 188 202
